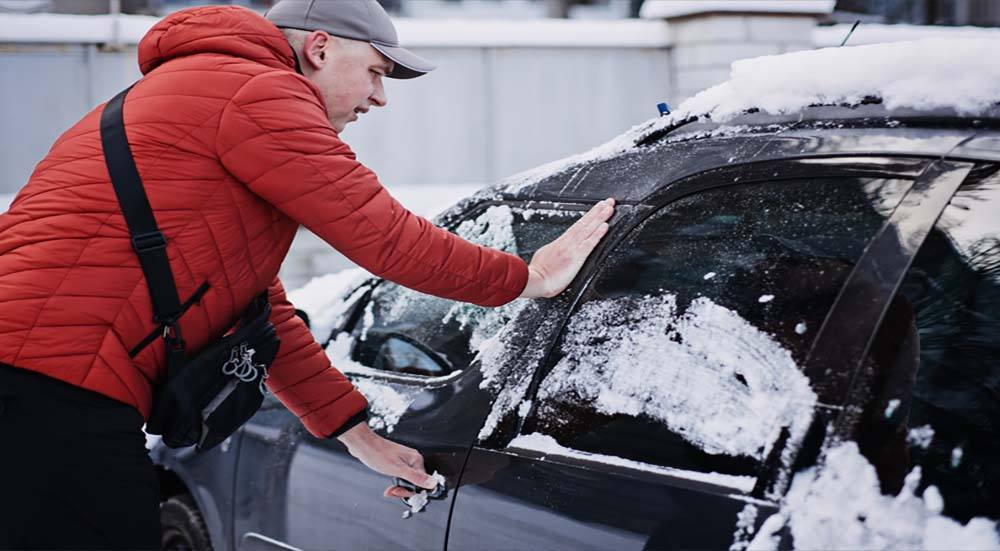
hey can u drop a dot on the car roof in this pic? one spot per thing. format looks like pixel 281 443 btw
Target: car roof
pixel 926 98
pixel 655 156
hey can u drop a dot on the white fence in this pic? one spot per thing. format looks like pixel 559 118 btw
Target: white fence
pixel 506 96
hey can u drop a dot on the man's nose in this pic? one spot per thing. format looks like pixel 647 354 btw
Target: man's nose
pixel 378 97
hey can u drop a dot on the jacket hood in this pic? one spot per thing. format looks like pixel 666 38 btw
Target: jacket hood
pixel 226 30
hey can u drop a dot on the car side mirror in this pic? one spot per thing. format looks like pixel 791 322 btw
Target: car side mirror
pixel 400 355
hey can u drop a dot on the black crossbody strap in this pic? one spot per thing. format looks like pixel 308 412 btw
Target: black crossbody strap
pixel 147 241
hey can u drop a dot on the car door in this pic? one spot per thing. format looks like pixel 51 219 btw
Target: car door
pixel 654 420
pixel 920 451
pixel 418 360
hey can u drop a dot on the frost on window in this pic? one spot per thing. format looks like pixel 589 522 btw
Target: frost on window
pixel 455 333
pixel 455 330
pixel 706 374
pixel 839 505
pixel 494 228
pixel 386 405
pixel 506 374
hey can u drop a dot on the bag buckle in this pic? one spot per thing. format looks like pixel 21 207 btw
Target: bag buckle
pixel 172 333
pixel 148 242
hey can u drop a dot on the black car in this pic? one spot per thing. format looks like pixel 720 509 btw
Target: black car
pixel 769 288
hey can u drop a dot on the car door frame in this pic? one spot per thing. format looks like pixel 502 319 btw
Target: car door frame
pixel 827 165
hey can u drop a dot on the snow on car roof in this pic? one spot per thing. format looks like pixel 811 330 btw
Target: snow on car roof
pixel 875 33
pixel 933 74
pixel 928 74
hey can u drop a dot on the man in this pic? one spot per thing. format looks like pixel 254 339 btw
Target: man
pixel 235 132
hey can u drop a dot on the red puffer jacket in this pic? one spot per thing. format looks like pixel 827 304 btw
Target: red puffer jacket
pixel 235 152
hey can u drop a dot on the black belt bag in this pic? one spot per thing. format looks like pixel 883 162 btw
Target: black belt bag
pixel 207 397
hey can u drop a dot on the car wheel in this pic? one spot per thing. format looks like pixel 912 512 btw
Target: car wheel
pixel 183 527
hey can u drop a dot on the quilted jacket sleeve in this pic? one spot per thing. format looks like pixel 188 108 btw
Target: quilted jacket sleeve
pixel 302 377
pixel 275 137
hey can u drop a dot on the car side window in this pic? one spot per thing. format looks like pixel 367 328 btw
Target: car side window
pixel 936 358
pixel 686 347
pixel 404 331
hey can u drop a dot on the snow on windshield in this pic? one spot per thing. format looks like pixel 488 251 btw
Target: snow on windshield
pixel 325 299
pixel 839 505
pixel 495 229
pixel 707 374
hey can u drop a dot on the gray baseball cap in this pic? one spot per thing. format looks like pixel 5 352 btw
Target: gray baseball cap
pixel 354 19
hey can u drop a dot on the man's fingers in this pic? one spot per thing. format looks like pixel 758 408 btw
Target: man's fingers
pixel 597 214
pixel 587 244
pixel 423 480
pixel 416 473
pixel 397 492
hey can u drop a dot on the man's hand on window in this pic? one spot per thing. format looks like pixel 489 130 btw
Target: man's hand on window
pixel 554 266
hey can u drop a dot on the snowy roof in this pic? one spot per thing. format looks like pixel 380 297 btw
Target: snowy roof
pixel 833 35
pixel 680 8
pixel 94 29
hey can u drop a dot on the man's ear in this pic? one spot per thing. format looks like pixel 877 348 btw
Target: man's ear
pixel 316 49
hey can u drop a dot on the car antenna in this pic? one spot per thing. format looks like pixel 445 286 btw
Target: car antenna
pixel 850 32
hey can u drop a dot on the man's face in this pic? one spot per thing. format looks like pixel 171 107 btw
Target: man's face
pixel 349 73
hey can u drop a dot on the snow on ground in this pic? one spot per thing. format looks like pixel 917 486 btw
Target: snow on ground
pixel 641 357
pixel 548 446
pixel 839 505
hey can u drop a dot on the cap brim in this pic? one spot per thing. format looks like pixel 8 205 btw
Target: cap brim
pixel 407 63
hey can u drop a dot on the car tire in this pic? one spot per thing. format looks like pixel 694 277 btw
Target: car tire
pixel 183 528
